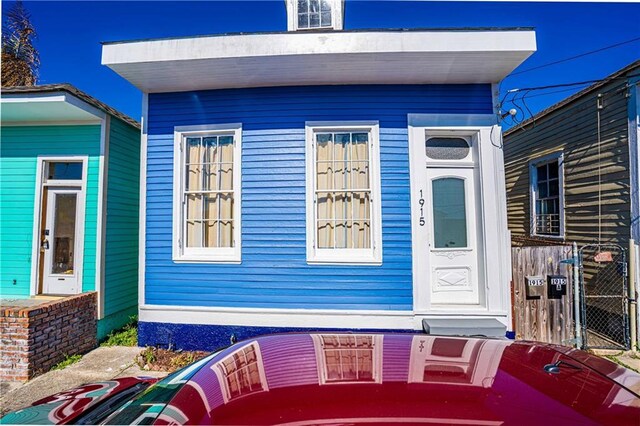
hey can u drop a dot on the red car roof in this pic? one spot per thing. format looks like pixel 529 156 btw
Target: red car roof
pixel 304 379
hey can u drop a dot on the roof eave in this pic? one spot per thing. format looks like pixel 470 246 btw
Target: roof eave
pixel 294 59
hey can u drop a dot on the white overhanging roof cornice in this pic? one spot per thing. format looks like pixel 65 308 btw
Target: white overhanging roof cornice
pixel 320 58
pixel 47 108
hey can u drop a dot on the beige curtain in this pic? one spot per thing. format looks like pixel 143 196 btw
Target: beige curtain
pixel 194 201
pixel 343 211
pixel 210 183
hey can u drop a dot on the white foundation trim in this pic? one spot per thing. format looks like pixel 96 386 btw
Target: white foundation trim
pixel 304 318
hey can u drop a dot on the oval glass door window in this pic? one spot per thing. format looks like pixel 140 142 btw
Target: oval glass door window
pixel 447 148
pixel 449 213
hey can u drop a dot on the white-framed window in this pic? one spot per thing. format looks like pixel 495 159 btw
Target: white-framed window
pixel 547 195
pixel 241 372
pixel 207 180
pixel 314 14
pixel 348 358
pixel 343 193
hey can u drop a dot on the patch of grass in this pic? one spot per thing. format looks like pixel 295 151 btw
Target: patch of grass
pixel 157 359
pixel 182 360
pixel 67 361
pixel 126 336
pixel 149 355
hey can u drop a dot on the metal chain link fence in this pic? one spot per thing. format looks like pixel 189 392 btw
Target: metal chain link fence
pixel 603 280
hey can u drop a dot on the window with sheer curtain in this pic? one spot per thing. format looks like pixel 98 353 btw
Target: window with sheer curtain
pixel 209 195
pixel 343 193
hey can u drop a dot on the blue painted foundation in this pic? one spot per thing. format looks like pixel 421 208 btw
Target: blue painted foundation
pixel 205 337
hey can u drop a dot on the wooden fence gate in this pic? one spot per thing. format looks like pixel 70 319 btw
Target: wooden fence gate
pixel 543 319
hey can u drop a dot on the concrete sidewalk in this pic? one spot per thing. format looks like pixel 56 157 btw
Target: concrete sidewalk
pixel 628 359
pixel 104 363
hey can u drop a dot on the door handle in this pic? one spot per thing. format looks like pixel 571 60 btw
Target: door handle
pixel 45 245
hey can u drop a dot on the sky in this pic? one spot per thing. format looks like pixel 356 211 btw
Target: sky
pixel 70 33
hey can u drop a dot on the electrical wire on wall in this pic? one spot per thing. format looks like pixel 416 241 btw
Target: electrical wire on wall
pixel 516 99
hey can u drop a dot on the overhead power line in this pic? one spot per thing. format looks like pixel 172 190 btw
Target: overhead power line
pixel 576 56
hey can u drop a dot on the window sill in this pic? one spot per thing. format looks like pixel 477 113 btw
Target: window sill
pixel 549 237
pixel 344 259
pixel 212 259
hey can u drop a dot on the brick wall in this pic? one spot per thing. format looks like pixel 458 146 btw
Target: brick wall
pixel 34 339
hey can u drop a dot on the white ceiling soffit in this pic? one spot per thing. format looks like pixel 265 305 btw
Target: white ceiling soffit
pixel 46 108
pixel 294 59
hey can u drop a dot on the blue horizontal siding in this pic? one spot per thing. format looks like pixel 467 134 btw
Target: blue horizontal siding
pixel 274 272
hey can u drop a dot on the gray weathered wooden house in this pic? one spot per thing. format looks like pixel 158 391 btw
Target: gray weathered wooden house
pixel 572 176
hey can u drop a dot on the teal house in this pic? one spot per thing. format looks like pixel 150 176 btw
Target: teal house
pixel 69 194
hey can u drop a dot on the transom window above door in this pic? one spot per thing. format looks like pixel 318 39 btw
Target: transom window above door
pixel 63 170
pixel 343 194
pixel 207 195
pixel 447 148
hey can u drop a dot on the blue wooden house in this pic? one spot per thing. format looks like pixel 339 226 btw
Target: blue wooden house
pixel 320 178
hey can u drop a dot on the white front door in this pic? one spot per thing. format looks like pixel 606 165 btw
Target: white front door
pixel 452 213
pixel 62 233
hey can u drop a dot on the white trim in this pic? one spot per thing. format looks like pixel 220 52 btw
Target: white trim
pixel 181 254
pixel 493 257
pixel 87 114
pixel 103 167
pixel 304 318
pixel 37 214
pixel 336 16
pixel 373 255
pixel 143 198
pixel 533 181
pixel 51 123
pixel 633 112
pixel 446 122
pixel 300 58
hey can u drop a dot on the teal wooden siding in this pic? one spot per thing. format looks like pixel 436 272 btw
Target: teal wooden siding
pixel 122 210
pixel 19 151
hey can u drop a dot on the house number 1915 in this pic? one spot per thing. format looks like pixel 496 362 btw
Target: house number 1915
pixel 421 202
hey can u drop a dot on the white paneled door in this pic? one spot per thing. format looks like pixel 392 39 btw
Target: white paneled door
pixel 62 231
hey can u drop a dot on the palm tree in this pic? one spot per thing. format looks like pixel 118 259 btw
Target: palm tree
pixel 20 59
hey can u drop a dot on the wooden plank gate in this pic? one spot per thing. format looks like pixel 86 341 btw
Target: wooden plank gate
pixel 543 319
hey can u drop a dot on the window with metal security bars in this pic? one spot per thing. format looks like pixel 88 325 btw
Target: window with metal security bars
pixel 349 358
pixel 547 197
pixel 208 191
pixel 242 372
pixel 314 14
pixel 343 195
